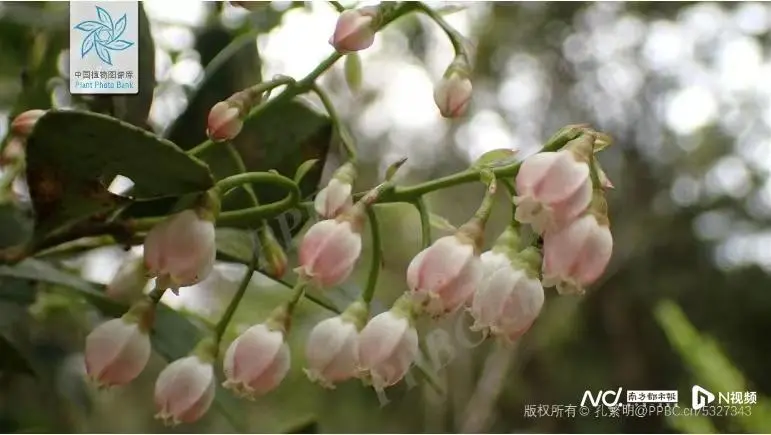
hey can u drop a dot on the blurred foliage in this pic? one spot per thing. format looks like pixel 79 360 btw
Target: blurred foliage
pixel 671 312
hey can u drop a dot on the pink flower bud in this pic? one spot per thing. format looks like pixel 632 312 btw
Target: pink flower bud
pixel 129 281
pixel 332 351
pixel 333 199
pixel 13 151
pixel 257 361
pixel 25 122
pixel 510 296
pixel 224 122
pixel 180 251
pixel 553 189
pixel 116 352
pixel 388 345
pixel 443 276
pixel 329 251
pixel 184 390
pixel 577 254
pixel 452 95
pixel 354 30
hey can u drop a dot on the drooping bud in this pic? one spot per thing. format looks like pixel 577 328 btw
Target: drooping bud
pixel 184 390
pixel 257 361
pixel 452 95
pixel 129 281
pixel 117 351
pixel 553 188
pixel 444 276
pixel 330 249
pixel 510 296
pixel 355 30
pixel 388 345
pixel 336 197
pixel 24 123
pixel 577 254
pixel 332 350
pixel 180 251
pixel 275 260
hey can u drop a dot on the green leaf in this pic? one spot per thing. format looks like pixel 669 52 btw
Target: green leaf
pixel 135 108
pixel 495 158
pixel 303 170
pixel 393 168
pixel 15 226
pixel 72 156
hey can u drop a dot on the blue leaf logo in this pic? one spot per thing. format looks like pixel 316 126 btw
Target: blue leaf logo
pixel 103 35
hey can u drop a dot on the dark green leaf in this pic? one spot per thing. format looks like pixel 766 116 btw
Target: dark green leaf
pixel 15 226
pixel 72 155
pixel 12 360
pixel 135 108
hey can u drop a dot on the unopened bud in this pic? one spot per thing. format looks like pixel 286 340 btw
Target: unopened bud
pixel 25 122
pixel 272 253
pixel 452 95
pixel 224 122
pixel 354 31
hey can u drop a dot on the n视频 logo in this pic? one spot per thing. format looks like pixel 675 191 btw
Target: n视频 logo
pixel 103 36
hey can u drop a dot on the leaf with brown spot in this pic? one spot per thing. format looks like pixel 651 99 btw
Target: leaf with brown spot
pixel 72 156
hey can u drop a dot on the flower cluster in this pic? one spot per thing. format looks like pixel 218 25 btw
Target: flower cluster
pixel 558 236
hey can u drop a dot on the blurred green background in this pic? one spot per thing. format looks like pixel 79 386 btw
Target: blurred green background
pixel 683 88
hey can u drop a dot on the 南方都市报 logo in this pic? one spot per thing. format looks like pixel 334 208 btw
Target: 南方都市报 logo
pixel 103 36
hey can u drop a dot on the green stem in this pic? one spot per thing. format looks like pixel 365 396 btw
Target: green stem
pixel 244 218
pixel 377 257
pixel 411 193
pixel 330 108
pixel 512 192
pixel 241 168
pixel 425 222
pixel 338 7
pixel 456 39
pixel 222 325
pixel 299 291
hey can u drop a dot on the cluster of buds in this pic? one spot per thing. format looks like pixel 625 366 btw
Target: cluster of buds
pixel 178 252
pixel 561 195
